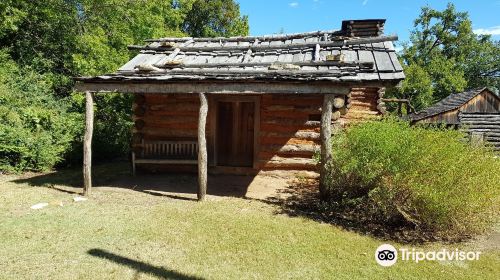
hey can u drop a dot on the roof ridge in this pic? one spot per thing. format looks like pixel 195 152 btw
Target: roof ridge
pixel 447 104
pixel 246 38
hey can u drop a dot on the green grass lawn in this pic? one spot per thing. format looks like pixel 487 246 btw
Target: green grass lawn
pixel 127 234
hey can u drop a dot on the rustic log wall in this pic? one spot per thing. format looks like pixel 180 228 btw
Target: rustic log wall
pixel 172 117
pixel 165 117
pixel 364 104
pixel 289 123
pixel 289 131
pixel 487 125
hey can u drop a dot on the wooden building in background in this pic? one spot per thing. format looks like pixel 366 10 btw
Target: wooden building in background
pixel 476 111
pixel 244 104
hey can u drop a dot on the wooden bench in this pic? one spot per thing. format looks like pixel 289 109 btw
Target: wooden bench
pixel 166 152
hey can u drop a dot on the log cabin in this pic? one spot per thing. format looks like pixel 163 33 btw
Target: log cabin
pixel 475 111
pixel 244 104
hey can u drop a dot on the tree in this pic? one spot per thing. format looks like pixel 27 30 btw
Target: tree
pixel 445 56
pixel 212 18
pixel 43 44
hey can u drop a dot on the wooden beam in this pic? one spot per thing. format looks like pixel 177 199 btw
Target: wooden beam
pixel 202 148
pixel 338 43
pixel 87 143
pixel 195 87
pixel 326 148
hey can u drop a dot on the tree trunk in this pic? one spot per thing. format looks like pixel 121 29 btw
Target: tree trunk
pixel 326 148
pixel 87 143
pixel 202 148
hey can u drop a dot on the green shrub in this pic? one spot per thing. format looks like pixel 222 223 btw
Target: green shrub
pixel 36 129
pixel 390 173
pixel 112 127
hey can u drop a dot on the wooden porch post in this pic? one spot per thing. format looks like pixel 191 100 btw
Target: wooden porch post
pixel 326 148
pixel 87 143
pixel 202 148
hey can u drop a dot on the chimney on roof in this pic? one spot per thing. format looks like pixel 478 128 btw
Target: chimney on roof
pixel 363 27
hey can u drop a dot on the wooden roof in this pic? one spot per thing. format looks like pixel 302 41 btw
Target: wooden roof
pixel 451 102
pixel 356 53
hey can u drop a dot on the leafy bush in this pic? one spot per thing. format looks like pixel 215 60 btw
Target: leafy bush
pixel 112 127
pixel 36 129
pixel 429 179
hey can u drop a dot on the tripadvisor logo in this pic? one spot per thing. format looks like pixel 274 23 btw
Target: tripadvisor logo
pixel 387 255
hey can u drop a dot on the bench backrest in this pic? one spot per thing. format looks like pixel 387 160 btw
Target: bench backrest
pixel 169 149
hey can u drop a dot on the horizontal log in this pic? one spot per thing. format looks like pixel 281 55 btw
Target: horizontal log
pixel 287 129
pixel 362 112
pixel 485 130
pixel 322 44
pixel 174 97
pixel 482 126
pixel 370 103
pixel 270 115
pixel 399 100
pixel 168 114
pixel 187 106
pixel 136 85
pixel 268 155
pixel 294 108
pixel 290 149
pixel 280 141
pixel 480 121
pixel 493 133
pixel 365 65
pixel 305 135
pixel 161 125
pixel 286 121
pixel 271 99
pixel 492 139
pixel 282 162
pixel 150 119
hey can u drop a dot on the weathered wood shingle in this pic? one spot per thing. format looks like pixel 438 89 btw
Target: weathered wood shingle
pixel 313 56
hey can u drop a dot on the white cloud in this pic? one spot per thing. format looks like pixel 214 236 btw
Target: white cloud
pixel 294 4
pixel 495 30
pixel 364 2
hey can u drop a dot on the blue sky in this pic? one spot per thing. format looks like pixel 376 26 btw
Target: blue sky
pixel 271 16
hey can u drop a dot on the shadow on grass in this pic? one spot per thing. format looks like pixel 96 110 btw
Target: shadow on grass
pixel 301 199
pixel 117 175
pixel 139 266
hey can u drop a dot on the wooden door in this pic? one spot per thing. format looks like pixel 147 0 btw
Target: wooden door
pixel 235 133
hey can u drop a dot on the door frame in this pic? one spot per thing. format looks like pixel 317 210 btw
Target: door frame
pixel 213 100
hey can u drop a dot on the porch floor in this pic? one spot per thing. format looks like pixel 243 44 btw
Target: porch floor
pixel 185 186
pixel 117 177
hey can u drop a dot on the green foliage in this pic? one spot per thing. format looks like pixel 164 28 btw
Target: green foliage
pixel 46 43
pixel 445 56
pixel 390 173
pixel 36 130
pixel 215 18
pixel 112 127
